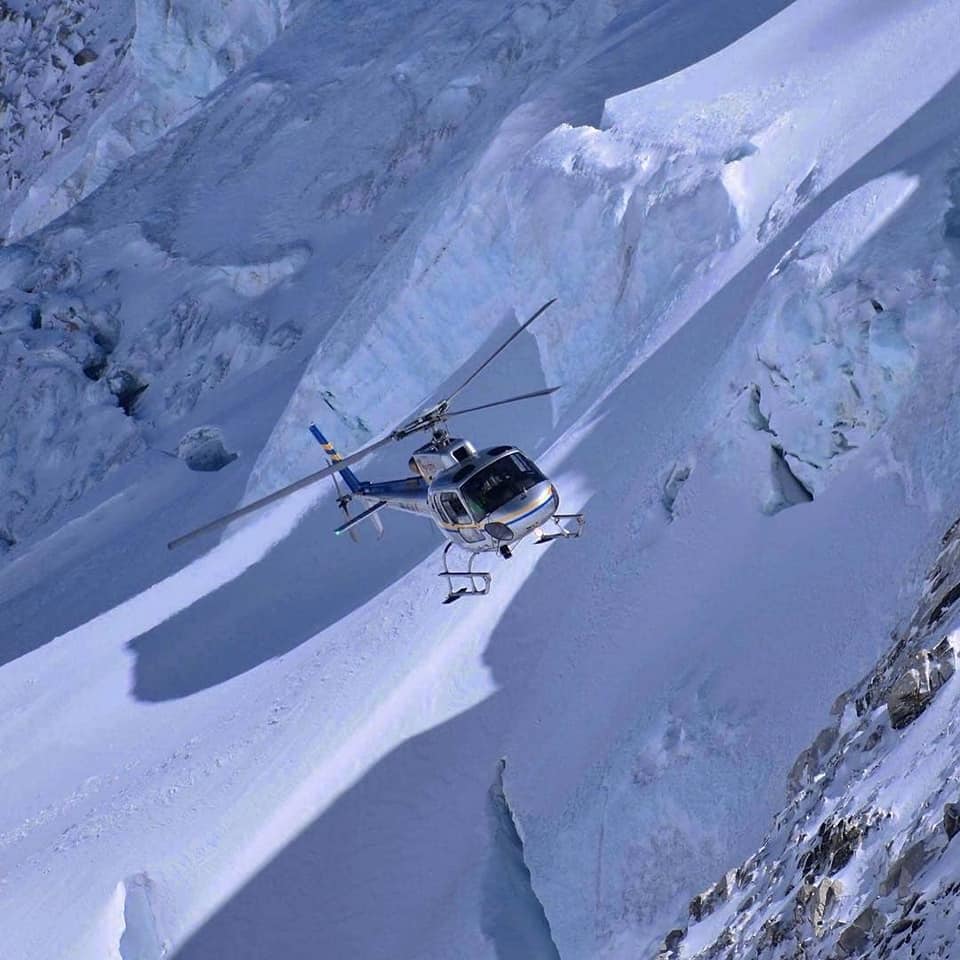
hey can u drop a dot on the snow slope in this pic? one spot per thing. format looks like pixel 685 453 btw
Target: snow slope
pixel 282 745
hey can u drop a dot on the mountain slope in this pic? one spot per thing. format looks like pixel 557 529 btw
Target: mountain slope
pixel 860 861
pixel 282 744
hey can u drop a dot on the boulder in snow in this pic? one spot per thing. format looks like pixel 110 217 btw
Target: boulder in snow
pixel 82 57
pixel 203 449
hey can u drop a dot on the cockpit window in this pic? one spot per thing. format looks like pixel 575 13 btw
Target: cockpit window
pixel 506 478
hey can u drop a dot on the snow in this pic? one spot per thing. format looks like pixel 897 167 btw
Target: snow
pixel 283 742
pixel 891 785
pixel 97 82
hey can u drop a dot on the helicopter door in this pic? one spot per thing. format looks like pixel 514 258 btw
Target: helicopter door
pixel 453 511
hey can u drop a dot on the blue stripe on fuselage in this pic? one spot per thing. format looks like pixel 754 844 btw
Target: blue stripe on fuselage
pixel 410 488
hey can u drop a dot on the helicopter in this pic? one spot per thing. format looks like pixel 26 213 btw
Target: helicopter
pixel 482 501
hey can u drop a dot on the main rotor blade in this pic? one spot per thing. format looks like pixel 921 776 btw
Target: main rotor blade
pixel 283 491
pixel 499 403
pixel 503 346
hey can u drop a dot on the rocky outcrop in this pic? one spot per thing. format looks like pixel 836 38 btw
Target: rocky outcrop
pixel 951 819
pixel 858 863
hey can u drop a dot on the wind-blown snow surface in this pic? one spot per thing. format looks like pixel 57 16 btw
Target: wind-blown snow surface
pixel 285 746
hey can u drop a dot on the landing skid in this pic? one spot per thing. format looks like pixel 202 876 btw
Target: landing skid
pixel 477 582
pixel 562 532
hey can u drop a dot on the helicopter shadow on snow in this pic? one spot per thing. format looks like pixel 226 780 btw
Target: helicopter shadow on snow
pixel 312 579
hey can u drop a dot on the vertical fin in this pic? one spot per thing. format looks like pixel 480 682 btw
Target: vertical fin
pixel 349 477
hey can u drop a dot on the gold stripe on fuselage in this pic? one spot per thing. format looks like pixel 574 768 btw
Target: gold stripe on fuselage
pixel 527 508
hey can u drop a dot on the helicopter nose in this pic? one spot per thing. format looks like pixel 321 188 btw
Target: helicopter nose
pixel 527 510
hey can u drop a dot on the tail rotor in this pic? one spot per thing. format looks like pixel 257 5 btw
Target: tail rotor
pixel 344 496
pixel 343 502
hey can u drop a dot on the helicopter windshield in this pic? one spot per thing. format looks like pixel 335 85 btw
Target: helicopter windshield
pixel 501 481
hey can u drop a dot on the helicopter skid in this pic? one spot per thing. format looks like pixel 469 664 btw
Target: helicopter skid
pixel 562 532
pixel 477 582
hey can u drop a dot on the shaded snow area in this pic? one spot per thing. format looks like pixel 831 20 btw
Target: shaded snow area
pixel 226 221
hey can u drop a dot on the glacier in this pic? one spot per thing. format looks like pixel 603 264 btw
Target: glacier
pixel 281 743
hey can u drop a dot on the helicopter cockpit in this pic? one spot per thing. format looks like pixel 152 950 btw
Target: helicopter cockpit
pixel 498 483
pixel 500 495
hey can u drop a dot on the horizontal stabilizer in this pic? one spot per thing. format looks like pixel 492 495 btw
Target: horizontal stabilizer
pixel 369 512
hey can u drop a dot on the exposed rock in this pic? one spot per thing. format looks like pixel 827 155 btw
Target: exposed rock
pixel 902 871
pixel 725 939
pixel 951 819
pixel 126 386
pixel 875 736
pixel 82 57
pixel 899 926
pixel 847 795
pixel 746 871
pixel 705 903
pixel 671 945
pixel 679 474
pixel 907 699
pixel 809 760
pixel 945 658
pixel 94 368
pixel 701 905
pixel 852 941
pixel 836 843
pixel 857 936
pixel 911 694
pixel 817 901
pixel 945 602
pixel 774 932
pixel 674 937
